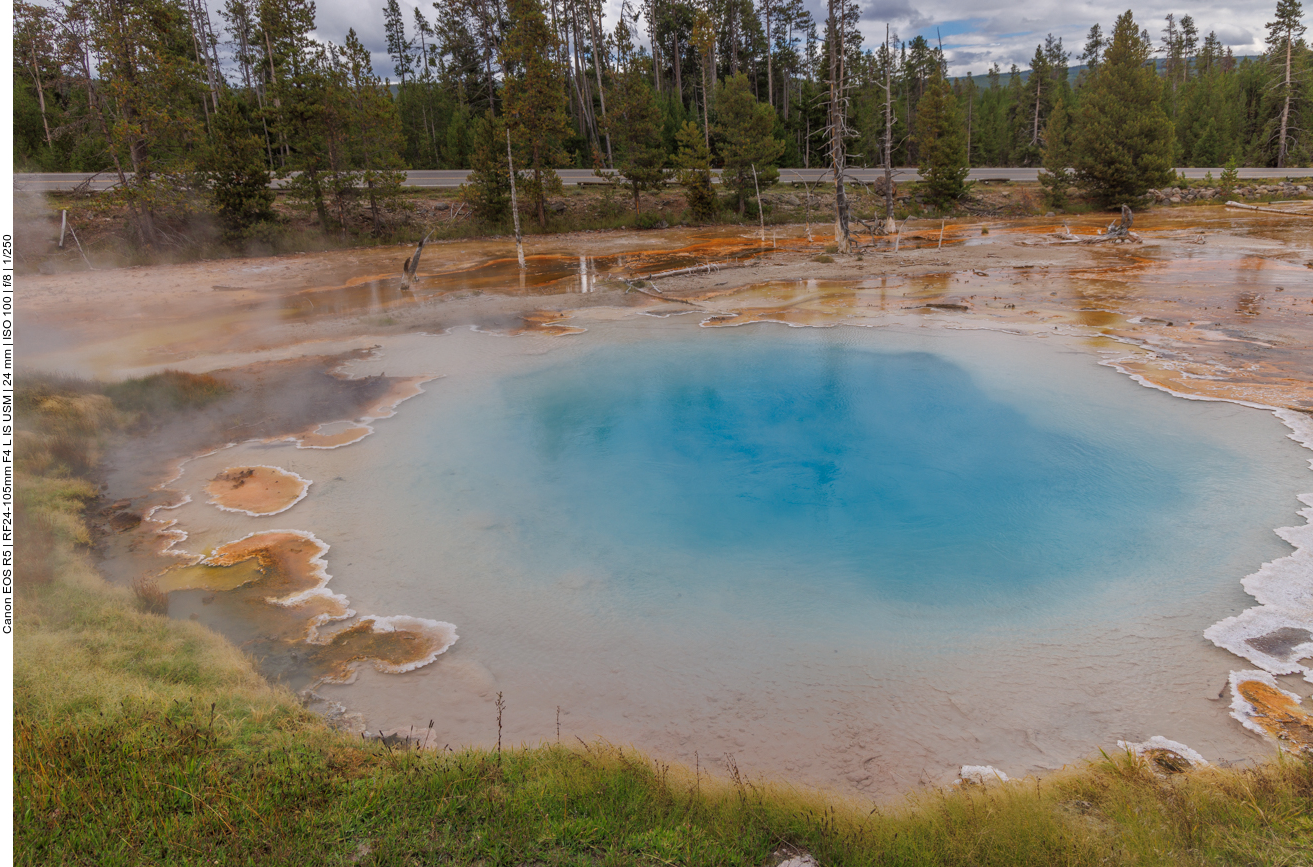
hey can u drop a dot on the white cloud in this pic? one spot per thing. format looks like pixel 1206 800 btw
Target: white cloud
pixel 1001 31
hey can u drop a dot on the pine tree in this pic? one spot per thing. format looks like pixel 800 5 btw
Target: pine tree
pixel 1056 177
pixel 238 175
pixel 394 25
pixel 1033 111
pixel 747 128
pixel 376 127
pixel 634 122
pixel 487 190
pixel 991 139
pixel 1123 140
pixel 149 95
pixel 1092 55
pixel 941 142
pixel 34 38
pixel 298 99
pixel 534 98
pixel 1285 49
pixel 1230 176
pixel 694 165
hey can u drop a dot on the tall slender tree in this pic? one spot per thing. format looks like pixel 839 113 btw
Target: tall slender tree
pixel 534 95
pixel 1285 49
pixel 376 128
pixel 746 128
pixel 634 122
pixel 693 162
pixel 1123 139
pixel 941 139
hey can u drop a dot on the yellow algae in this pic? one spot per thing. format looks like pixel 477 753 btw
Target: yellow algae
pixel 390 644
pixel 279 578
pixel 1277 713
pixel 283 569
pixel 258 490
pixel 292 561
pixel 218 578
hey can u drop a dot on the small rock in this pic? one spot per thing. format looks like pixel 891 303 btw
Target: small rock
pixel 1166 756
pixel 800 861
pixel 787 856
pixel 981 774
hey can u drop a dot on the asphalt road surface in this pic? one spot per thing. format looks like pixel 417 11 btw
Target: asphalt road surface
pixel 454 178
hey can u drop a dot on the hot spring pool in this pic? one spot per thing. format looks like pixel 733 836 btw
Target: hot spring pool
pixel 855 557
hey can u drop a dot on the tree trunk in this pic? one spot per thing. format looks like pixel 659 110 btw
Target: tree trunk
pixel 679 80
pixel 733 42
pixel 656 49
pixel 373 210
pixel 1285 108
pixel 515 203
pixel 41 98
pixel 1034 136
pixel 582 78
pixel 488 42
pixel 970 105
pixel 601 91
pixel 834 26
pixel 706 117
pixel 317 193
pixel 889 224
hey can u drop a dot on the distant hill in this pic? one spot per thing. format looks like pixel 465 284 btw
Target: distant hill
pixel 1160 63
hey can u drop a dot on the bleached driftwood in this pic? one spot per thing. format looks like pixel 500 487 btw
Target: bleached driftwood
pixel 1269 210
pixel 412 265
pixel 1118 230
pixel 708 268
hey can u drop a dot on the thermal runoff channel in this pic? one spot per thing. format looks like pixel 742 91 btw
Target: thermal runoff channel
pixel 922 548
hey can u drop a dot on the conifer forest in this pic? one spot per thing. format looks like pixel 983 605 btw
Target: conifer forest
pixel 173 96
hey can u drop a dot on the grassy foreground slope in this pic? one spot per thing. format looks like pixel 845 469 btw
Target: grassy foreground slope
pixel 144 740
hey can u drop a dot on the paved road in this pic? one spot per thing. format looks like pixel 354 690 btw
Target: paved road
pixel 429 178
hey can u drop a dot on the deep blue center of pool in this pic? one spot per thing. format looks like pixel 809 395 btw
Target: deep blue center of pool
pixel 891 472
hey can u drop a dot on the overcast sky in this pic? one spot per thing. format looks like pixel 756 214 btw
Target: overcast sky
pixel 974 34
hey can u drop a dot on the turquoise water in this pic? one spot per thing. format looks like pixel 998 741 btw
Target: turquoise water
pixel 771 473
pixel 893 472
pixel 853 557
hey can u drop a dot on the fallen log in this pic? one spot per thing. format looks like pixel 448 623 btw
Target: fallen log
pixel 708 268
pixel 1269 210
pixel 1106 239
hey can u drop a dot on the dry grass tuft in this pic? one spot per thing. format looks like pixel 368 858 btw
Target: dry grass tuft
pixel 150 598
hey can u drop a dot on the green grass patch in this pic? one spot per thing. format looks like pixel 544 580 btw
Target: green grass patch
pixel 181 783
pixel 170 391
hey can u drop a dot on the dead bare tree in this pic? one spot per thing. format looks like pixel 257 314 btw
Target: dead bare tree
pixel 1118 230
pixel 807 201
pixel 836 126
pixel 890 225
pixel 411 265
